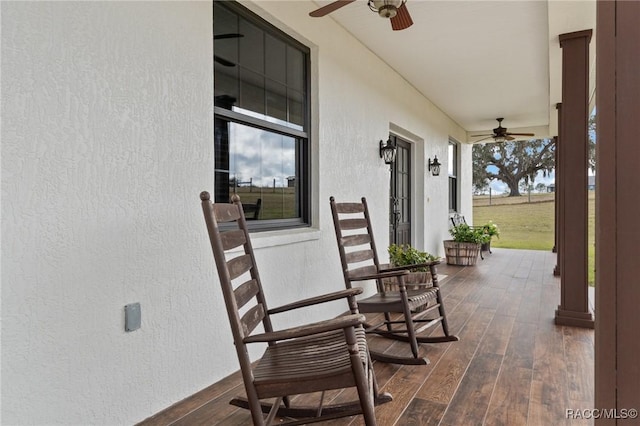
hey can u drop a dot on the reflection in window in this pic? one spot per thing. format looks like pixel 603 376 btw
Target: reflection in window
pixel 258 165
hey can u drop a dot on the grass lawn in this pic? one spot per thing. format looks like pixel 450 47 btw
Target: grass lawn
pixel 525 225
pixel 277 203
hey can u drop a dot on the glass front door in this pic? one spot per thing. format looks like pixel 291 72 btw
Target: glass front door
pixel 400 194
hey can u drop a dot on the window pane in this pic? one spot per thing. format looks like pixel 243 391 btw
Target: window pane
pixel 226 86
pixel 276 100
pixel 451 166
pixel 251 47
pixel 296 103
pixel 276 52
pixel 260 166
pixel 225 24
pixel 453 194
pixel 252 91
pixel 295 69
pixel 225 48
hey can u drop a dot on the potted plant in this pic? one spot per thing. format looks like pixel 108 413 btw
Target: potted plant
pixel 464 248
pixel 490 229
pixel 403 255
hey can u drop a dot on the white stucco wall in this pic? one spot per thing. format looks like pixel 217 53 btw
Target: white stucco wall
pixel 107 136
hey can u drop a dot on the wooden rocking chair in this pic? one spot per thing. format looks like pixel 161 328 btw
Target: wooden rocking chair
pixel 420 308
pixel 330 354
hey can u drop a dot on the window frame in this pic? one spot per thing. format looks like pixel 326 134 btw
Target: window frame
pixel 452 172
pixel 303 136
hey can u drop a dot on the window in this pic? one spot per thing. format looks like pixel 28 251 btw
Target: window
pixel 452 166
pixel 261 86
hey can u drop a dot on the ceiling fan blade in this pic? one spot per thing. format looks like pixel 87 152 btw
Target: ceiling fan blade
pixel 508 137
pixel 223 61
pixel 402 20
pixel 480 140
pixel 479 136
pixel 229 35
pixel 519 134
pixel 325 10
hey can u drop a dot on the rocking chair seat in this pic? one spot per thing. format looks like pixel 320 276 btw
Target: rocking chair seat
pixel 392 301
pixel 307 364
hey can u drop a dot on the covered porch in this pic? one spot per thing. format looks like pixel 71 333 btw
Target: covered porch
pixel 512 365
pixel 109 135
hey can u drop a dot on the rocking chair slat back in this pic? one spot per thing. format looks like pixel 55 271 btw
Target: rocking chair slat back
pixel 226 212
pixel 355 240
pixel 239 265
pixel 231 265
pixel 355 273
pixel 252 318
pixel 245 292
pixel 232 239
pixel 350 224
pixel 359 256
pixel 346 208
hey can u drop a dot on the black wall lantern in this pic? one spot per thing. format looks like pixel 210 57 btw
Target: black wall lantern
pixel 434 166
pixel 388 151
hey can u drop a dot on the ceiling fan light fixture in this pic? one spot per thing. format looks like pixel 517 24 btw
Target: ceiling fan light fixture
pixel 385 8
pixel 500 138
pixel 387 12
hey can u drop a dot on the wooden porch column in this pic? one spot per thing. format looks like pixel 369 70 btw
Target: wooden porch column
pixel 555 194
pixel 574 303
pixel 558 202
pixel 617 347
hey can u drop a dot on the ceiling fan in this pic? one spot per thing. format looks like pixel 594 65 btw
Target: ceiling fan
pixel 220 60
pixel 395 10
pixel 500 134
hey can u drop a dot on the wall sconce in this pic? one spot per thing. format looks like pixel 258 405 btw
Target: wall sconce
pixel 388 151
pixel 434 166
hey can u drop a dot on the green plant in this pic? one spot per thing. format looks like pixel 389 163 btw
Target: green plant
pixel 401 255
pixel 466 234
pixel 491 229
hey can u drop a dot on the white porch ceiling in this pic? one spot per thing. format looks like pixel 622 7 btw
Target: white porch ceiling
pixel 478 60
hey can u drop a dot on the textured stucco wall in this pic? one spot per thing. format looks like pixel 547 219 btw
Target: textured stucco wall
pixel 107 135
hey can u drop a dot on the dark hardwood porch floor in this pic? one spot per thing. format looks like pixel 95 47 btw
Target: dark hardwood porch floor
pixel 512 365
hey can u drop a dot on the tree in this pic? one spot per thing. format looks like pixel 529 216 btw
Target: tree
pixel 480 188
pixel 525 185
pixel 541 187
pixel 512 162
pixel 480 179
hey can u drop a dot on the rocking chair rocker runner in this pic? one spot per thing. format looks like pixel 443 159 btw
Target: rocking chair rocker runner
pixel 330 354
pixel 421 309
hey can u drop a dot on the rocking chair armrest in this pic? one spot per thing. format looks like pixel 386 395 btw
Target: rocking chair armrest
pixel 352 320
pixel 379 275
pixel 317 299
